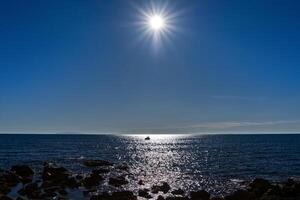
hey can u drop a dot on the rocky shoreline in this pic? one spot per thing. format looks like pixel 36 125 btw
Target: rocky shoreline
pixel 21 182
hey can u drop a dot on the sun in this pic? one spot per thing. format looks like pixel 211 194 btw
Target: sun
pixel 156 22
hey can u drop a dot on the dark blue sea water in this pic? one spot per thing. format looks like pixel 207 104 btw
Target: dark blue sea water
pixel 217 163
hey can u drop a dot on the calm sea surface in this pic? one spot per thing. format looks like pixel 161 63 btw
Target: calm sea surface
pixel 212 162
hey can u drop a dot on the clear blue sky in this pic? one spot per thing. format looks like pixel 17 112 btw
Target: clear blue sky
pixel 231 66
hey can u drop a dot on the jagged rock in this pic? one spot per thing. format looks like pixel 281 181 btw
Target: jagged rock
pixel 55 174
pixel 178 192
pixel 72 183
pixel 5 198
pixel 22 170
pixel 101 171
pixel 122 167
pixel 103 196
pixel 165 187
pixel 123 195
pixel 177 198
pixel 144 193
pixel 63 192
pixel 240 195
pixel 160 197
pixel 92 180
pixel 259 186
pixel 30 190
pixel 200 195
pixel 4 189
pixel 97 163
pixel 117 181
pixel 216 198
pixel 8 179
pixel 141 182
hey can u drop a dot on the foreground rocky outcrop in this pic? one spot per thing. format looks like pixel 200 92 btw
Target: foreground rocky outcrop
pixel 55 182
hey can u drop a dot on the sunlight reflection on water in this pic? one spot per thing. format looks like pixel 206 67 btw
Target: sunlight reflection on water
pixel 160 159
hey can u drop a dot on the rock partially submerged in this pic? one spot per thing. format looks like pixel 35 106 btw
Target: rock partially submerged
pixel 164 187
pixel 56 182
pixel 97 163
pixel 117 181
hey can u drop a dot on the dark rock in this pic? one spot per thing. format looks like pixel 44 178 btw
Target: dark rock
pixel 122 167
pixel 92 180
pixel 200 195
pixel 22 170
pixel 177 198
pixel 5 198
pixel 118 181
pixel 103 196
pixel 55 174
pixel 178 192
pixel 259 186
pixel 216 198
pixel 141 182
pixel 165 187
pixel 4 189
pixel 63 192
pixel 101 171
pixel 123 195
pixel 20 198
pixel 240 195
pixel 30 190
pixel 144 193
pixel 72 183
pixel 160 197
pixel 97 163
pixel 9 179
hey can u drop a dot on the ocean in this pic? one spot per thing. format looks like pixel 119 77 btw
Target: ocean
pixel 216 163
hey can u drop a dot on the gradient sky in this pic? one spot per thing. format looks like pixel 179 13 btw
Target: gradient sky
pixel 73 65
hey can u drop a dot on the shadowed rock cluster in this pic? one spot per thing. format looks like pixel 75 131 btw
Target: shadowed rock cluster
pixel 55 182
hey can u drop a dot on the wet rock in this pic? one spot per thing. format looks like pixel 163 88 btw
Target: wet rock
pixel 259 186
pixel 55 174
pixel 101 171
pixel 178 192
pixel 165 187
pixel 240 195
pixel 216 198
pixel 97 163
pixel 144 193
pixel 160 197
pixel 92 180
pixel 177 198
pixel 4 189
pixel 117 181
pixel 5 198
pixel 8 179
pixel 200 195
pixel 141 182
pixel 63 192
pixel 123 167
pixel 103 196
pixel 30 190
pixel 22 170
pixel 123 195
pixel 20 198
pixel 72 183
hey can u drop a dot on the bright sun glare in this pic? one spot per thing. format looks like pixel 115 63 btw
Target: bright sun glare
pixel 156 22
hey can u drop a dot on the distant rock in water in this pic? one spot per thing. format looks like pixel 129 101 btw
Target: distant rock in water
pixel 147 138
